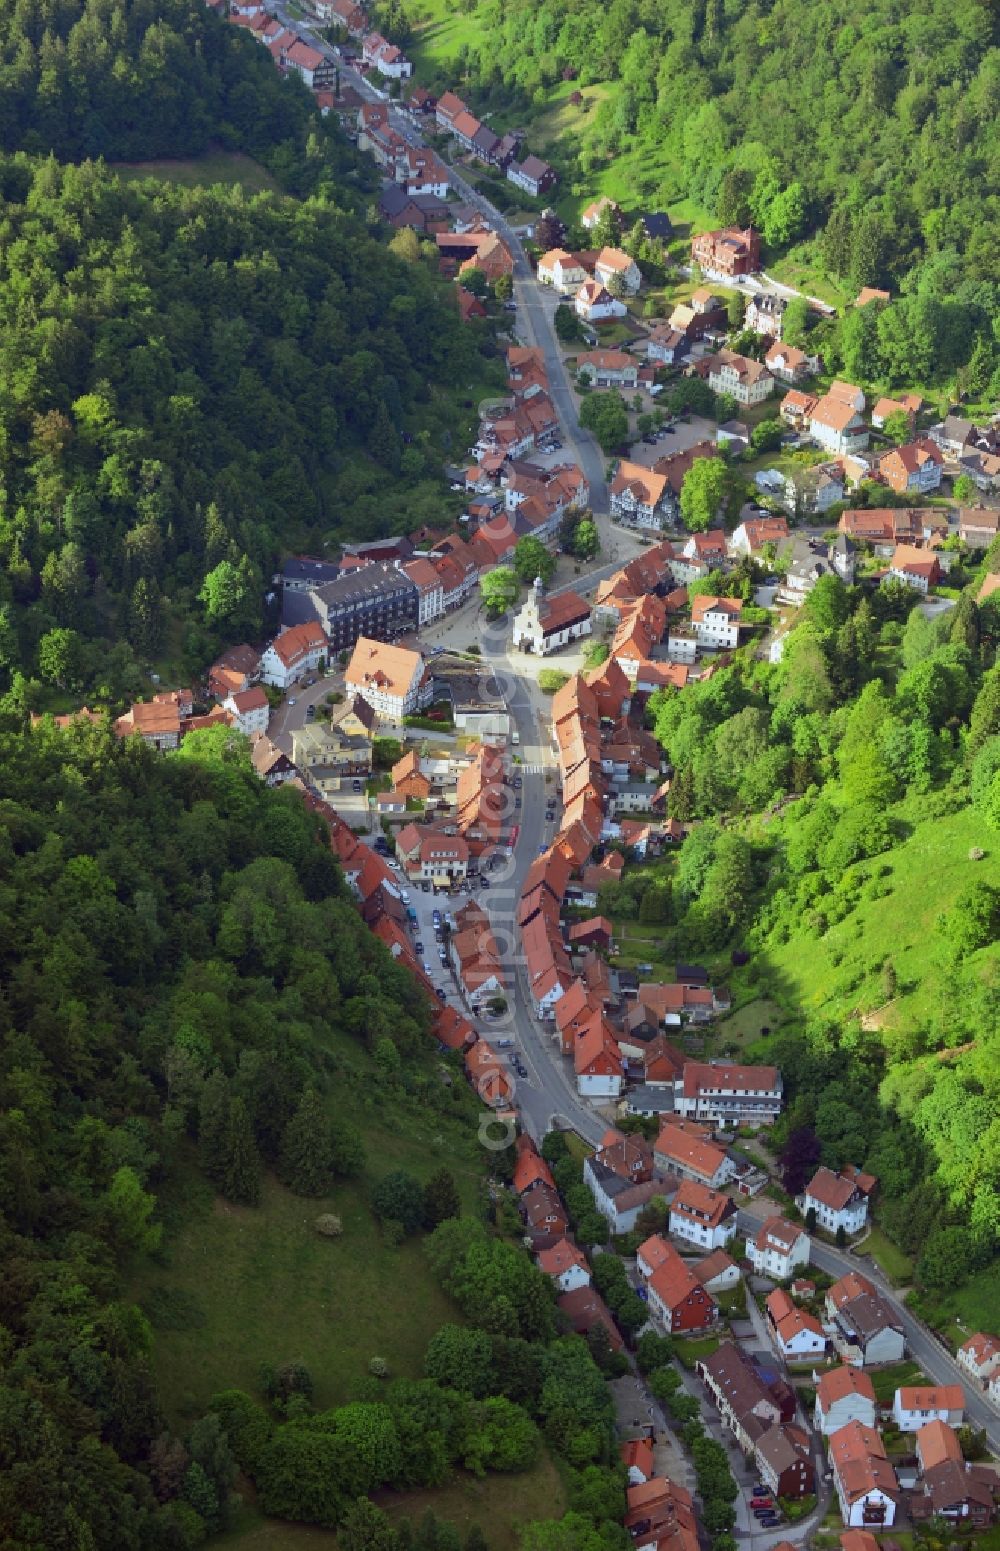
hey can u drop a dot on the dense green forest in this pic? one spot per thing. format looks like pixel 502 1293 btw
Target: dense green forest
pixel 185 972
pixel 130 81
pixel 188 379
pixel 810 777
pixel 176 948
pixel 871 122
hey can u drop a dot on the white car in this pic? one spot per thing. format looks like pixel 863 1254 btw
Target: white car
pixel 404 895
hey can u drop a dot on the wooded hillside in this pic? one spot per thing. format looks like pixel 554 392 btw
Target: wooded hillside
pixel 188 380
pixel 129 81
pixel 874 120
pixel 879 725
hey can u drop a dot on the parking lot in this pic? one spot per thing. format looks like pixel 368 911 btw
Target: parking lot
pixel 424 902
pixel 684 435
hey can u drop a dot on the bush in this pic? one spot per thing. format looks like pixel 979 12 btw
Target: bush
pixel 552 679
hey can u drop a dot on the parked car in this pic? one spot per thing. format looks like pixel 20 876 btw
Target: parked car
pixel 356 786
pixel 426 886
pixel 440 993
pixel 426 967
pixel 760 1490
pixel 418 947
pixel 771 1521
pixel 443 954
pixel 484 883
pixel 520 1068
pixel 517 783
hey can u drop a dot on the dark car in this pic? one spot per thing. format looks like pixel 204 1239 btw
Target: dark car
pixel 771 1521
pixel 517 783
pixel 520 1069
pixel 419 948
pixel 440 993
pixel 760 1490
pixel 517 802
pixel 426 886
pixel 484 883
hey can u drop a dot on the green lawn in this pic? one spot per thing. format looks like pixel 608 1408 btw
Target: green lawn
pixel 499 1504
pixel 886 1381
pixel 246 1286
pixel 227 167
pixel 897 1266
pixel 690 1350
pixel 746 1023
pixel 803 269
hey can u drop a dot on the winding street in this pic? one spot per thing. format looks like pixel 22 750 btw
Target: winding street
pixel 547 1096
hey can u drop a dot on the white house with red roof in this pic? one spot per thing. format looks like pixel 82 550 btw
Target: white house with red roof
pixel 844 1395
pixel 391 678
pixel 835 419
pixel 705 1217
pixel 566 1264
pixel 678 1151
pixel 546 624
pixel 715 622
pixel 250 710
pixel 777 1248
pixel 595 304
pixel 597 1061
pixel 837 1202
pixel 560 269
pixel 913 1406
pixel 863 1476
pixel 980 1356
pixel 612 264
pixel 727 1094
pixel 916 568
pixel 294 653
pixel 796 1333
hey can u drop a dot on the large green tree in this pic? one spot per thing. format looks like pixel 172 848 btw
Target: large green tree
pixel 702 493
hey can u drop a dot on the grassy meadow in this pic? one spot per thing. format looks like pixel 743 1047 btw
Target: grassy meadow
pixel 227 167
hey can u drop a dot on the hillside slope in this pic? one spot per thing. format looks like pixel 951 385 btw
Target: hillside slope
pixel 873 120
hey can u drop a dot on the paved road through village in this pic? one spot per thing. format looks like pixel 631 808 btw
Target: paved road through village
pixel 548 1094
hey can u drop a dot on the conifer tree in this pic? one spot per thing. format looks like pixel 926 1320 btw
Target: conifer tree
pixel 441 1198
pixel 213 1126
pixel 242 1176
pixel 306 1150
